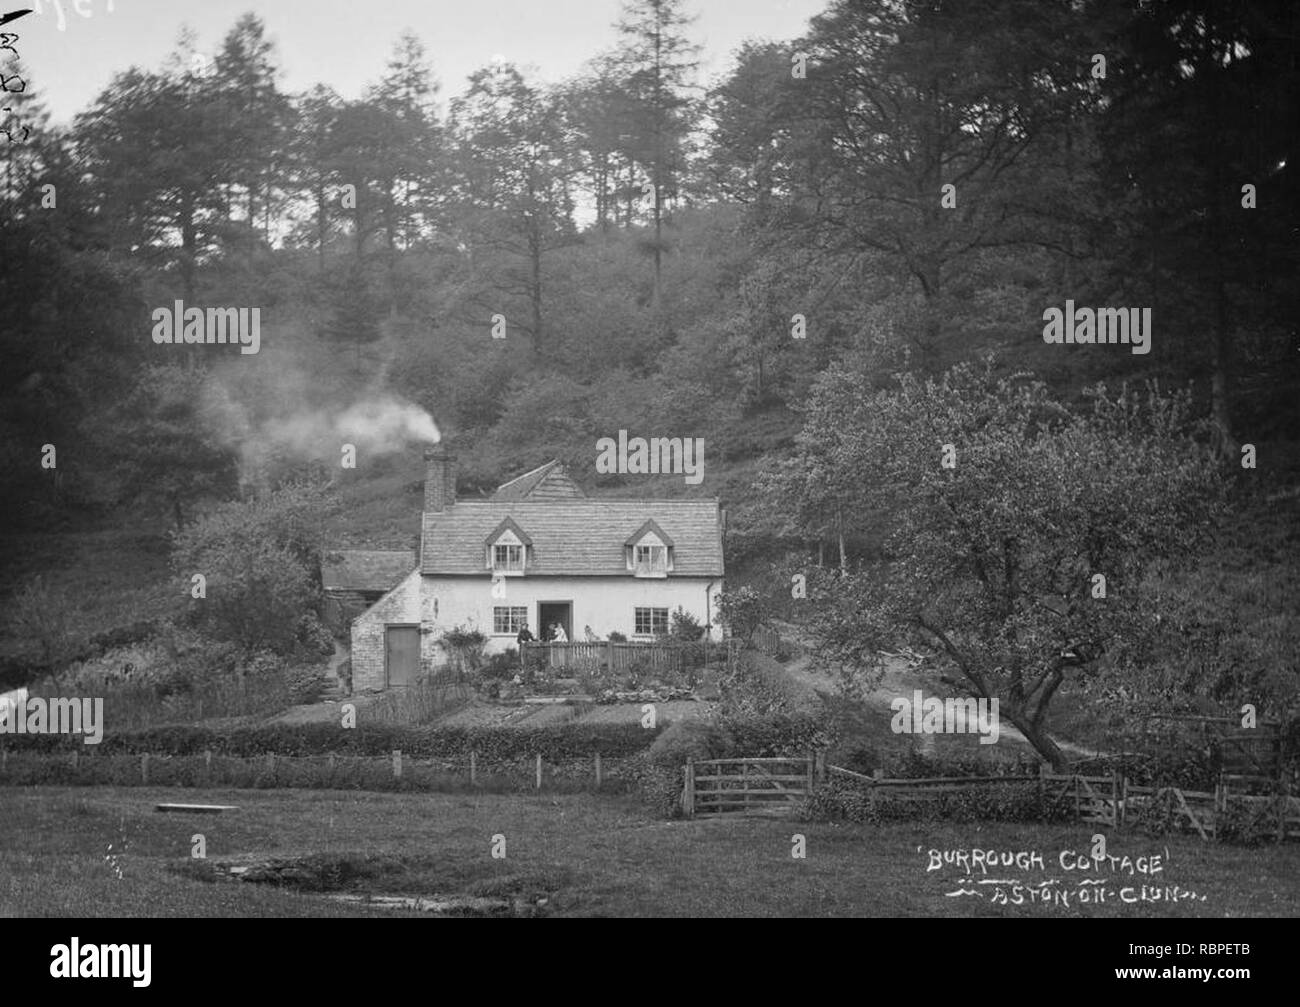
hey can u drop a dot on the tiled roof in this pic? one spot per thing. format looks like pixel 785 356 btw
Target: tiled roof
pixel 581 537
pixel 546 482
pixel 360 570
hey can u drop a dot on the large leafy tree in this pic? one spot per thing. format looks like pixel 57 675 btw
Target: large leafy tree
pixel 994 561
pixel 899 101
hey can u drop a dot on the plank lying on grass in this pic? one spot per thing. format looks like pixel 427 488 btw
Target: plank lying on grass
pixel 197 809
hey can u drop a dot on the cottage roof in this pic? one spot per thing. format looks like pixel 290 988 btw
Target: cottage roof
pixel 546 482
pixel 365 570
pixel 574 537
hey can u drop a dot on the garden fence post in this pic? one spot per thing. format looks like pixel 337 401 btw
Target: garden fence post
pixel 539 770
pixel 876 776
pixel 397 763
pixel 598 769
pixel 473 767
pixel 688 793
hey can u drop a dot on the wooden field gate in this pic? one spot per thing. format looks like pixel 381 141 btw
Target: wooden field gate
pixel 727 786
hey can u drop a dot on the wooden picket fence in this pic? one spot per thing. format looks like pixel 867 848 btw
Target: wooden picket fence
pixel 605 657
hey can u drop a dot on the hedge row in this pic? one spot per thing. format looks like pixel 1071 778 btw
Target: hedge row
pixel 490 743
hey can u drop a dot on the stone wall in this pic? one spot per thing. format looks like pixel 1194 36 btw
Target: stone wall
pixel 403 605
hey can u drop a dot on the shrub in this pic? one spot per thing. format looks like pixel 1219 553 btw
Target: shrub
pixel 504 665
pixel 742 611
pixel 617 637
pixel 464 647
pixel 367 738
pixel 660 774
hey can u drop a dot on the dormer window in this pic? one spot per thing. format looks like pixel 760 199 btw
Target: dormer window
pixel 507 550
pixel 650 560
pixel 507 558
pixel 649 551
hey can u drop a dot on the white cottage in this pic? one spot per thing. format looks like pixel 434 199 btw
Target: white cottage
pixel 539 552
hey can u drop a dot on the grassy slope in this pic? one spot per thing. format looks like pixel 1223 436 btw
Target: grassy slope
pixel 599 856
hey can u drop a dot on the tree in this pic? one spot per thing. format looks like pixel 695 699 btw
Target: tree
pixel 512 170
pixel 903 99
pixel 261 563
pixel 255 118
pixel 656 62
pixel 406 92
pixel 995 549
pixel 165 449
pixel 50 619
pixel 1200 109
pixel 312 167
pixel 154 148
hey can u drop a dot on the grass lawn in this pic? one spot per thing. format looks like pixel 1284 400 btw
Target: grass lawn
pixel 593 856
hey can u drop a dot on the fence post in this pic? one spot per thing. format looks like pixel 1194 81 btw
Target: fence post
pixel 270 763
pixel 473 767
pixel 876 776
pixel 207 764
pixel 331 765
pixel 1042 781
pixel 598 779
pixel 688 793
pixel 144 767
pixel 397 763
pixel 539 770
pixel 812 764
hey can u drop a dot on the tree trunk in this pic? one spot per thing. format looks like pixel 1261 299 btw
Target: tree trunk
pixel 839 532
pixel 1042 743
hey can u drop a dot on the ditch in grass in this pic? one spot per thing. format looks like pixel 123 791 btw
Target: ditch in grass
pixel 415 884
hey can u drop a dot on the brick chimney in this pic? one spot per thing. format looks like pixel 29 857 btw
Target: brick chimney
pixel 439 479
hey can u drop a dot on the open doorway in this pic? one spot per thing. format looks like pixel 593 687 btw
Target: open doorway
pixel 551 612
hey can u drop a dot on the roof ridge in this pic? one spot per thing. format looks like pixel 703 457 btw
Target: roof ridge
pixel 530 472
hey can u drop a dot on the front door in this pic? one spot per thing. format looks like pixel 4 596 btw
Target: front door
pixel 549 613
pixel 401 654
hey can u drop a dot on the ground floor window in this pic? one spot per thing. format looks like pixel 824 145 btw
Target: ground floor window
pixel 509 619
pixel 651 621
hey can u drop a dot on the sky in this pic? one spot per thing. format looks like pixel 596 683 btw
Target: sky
pixel 347 45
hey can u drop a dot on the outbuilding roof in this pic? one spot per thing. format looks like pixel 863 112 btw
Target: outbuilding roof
pixel 365 570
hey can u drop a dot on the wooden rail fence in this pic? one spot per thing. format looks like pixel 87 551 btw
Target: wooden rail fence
pixel 1115 802
pixel 720 786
